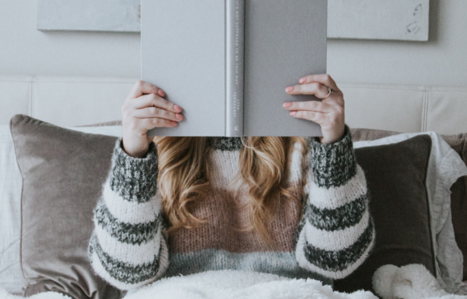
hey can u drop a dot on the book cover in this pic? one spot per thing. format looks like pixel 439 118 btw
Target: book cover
pixel 228 62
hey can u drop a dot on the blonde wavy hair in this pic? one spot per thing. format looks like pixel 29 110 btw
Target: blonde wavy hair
pixel 263 163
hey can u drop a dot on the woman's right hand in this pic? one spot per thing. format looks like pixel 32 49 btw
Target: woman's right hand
pixel 143 110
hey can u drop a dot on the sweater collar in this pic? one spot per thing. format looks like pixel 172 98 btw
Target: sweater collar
pixel 225 143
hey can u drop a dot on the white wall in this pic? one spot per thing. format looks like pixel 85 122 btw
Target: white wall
pixel 25 50
pixel 441 61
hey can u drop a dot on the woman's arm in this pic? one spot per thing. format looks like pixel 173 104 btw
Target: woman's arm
pixel 127 247
pixel 336 231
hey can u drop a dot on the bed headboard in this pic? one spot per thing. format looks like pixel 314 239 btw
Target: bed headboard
pixel 74 101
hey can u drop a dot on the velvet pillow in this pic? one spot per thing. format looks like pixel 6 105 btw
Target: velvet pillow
pixel 396 177
pixel 459 188
pixel 63 172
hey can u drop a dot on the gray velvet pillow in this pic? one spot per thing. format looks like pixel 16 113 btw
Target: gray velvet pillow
pixel 63 172
pixel 396 179
pixel 459 189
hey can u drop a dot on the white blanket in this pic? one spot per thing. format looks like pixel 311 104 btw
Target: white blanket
pixel 390 282
pixel 227 284
pixel 409 282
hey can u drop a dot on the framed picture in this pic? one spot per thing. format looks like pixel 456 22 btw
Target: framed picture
pixel 89 15
pixel 379 19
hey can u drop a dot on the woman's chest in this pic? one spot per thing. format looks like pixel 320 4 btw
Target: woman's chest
pixel 226 208
pixel 228 225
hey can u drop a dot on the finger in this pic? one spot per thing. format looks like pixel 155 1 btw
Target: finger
pixel 153 112
pixel 142 87
pixel 151 123
pixel 324 79
pixel 314 116
pixel 308 106
pixel 317 89
pixel 156 101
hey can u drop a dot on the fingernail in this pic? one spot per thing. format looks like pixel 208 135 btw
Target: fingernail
pixel 293 113
pixel 161 92
pixel 287 105
pixel 174 123
pixel 289 89
pixel 303 80
pixel 178 108
pixel 179 116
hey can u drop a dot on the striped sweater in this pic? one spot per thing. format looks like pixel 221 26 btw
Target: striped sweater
pixel 129 246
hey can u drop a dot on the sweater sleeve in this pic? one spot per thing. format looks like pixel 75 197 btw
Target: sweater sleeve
pixel 128 246
pixel 336 232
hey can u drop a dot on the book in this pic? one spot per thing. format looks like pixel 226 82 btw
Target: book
pixel 227 62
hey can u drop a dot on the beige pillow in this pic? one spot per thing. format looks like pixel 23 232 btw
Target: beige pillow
pixel 63 172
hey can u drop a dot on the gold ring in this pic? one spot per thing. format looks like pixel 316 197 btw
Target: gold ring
pixel 330 90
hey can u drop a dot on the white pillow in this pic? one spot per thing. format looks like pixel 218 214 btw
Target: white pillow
pixel 10 206
pixel 444 168
pixel 10 214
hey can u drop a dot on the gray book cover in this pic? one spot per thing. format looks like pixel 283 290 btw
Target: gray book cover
pixel 192 50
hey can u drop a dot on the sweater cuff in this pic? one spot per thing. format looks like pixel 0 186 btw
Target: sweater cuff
pixel 134 179
pixel 333 164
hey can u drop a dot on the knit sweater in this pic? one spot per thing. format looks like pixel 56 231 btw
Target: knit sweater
pixel 130 247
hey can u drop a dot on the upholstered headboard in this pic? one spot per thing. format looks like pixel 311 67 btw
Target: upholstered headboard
pixel 73 101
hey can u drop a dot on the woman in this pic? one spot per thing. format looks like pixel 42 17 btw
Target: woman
pixel 290 206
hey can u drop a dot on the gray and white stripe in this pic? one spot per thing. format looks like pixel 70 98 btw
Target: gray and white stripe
pixel 128 253
pixel 338 239
pixel 123 275
pixel 124 232
pixel 129 211
pixel 335 264
pixel 340 218
pixel 335 196
pixel 303 262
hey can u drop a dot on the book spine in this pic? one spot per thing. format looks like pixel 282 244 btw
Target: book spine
pixel 235 45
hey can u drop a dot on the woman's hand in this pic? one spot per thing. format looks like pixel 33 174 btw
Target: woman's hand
pixel 143 110
pixel 329 113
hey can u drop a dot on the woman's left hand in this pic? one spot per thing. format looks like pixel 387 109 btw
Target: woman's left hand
pixel 329 113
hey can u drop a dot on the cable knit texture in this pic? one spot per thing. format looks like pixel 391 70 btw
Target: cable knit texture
pixel 336 163
pixel 130 247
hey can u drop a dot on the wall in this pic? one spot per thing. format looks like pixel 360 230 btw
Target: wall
pixel 25 50
pixel 441 61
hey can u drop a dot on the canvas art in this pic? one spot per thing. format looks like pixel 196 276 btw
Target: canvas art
pixel 379 19
pixel 351 19
pixel 89 15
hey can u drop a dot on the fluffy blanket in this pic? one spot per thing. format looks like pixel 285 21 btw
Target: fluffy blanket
pixel 227 284
pixel 409 282
pixel 390 282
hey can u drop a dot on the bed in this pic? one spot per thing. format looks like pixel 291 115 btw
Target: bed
pixel 377 110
